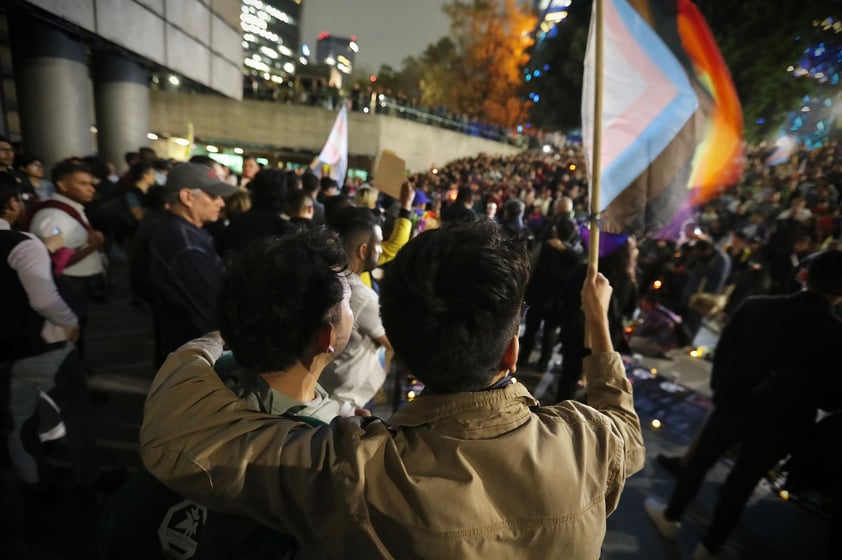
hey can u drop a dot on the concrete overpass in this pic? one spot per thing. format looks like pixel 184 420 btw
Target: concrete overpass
pixel 286 131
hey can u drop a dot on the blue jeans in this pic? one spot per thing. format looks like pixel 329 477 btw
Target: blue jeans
pixel 59 373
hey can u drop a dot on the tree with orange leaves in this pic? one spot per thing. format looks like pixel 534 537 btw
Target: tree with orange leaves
pixel 477 72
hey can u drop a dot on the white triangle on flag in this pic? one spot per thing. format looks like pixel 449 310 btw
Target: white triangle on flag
pixel 647 98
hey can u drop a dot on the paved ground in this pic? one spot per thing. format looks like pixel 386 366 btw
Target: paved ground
pixel 677 396
pixel 120 361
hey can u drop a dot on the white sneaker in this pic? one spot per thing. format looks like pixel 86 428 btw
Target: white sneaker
pixel 702 553
pixel 49 416
pixel 655 510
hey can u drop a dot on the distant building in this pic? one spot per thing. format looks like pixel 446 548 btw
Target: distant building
pixel 338 52
pixel 550 14
pixel 271 38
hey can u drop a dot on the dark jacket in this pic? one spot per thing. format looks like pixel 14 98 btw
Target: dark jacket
pixel 778 354
pixel 140 254
pixel 545 289
pixel 20 332
pixel 256 223
pixel 185 272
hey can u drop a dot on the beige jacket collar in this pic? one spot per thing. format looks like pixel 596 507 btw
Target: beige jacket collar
pixel 480 414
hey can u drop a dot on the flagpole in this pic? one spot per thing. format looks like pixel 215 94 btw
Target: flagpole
pixel 593 249
pixel 596 141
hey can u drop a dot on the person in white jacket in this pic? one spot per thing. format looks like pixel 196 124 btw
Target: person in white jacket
pixel 37 346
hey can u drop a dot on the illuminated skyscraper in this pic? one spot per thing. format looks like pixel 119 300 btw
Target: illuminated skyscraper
pixel 338 52
pixel 271 37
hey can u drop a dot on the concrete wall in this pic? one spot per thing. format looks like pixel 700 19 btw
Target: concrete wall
pixel 424 146
pixel 293 127
pixel 199 39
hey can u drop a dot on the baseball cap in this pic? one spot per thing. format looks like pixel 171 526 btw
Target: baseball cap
pixel 190 175
pixel 420 197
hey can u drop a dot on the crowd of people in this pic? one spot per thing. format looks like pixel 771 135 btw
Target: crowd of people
pixel 281 302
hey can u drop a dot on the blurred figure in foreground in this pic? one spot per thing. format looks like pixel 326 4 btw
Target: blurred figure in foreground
pixel 774 367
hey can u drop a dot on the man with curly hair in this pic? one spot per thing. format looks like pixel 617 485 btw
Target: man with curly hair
pixel 472 468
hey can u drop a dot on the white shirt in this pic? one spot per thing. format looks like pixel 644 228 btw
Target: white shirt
pixel 31 261
pixel 357 373
pixel 74 234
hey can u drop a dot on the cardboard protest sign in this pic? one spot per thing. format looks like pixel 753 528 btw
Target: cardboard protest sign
pixel 389 173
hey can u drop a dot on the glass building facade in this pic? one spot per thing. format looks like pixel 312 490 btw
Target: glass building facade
pixel 271 38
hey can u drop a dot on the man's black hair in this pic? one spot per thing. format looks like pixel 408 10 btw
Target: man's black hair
pixel 309 182
pixel 162 164
pixel 277 293
pixel 327 182
pixel 464 195
pixel 23 160
pixel 334 205
pixel 354 224
pixel 138 170
pixel 824 273
pixel 293 180
pixel 131 157
pixel 96 166
pixel 147 154
pixel 295 201
pixel 66 168
pixel 9 189
pixel 451 303
pixel 703 246
pixel 269 189
pixel 513 208
pixel 203 159
pixel 565 228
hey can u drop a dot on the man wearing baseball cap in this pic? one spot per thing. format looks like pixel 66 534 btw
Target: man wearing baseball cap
pixel 185 268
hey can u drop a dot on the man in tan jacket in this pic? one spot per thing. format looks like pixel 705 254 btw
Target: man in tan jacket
pixel 473 468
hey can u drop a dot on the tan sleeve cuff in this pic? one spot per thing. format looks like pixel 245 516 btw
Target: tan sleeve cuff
pixel 602 366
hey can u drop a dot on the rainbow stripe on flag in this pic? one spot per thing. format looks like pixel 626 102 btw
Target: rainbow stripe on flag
pixel 672 129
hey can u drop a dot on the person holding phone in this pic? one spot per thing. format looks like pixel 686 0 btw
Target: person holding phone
pixel 37 352
pixel 81 279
